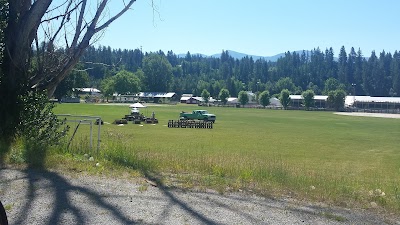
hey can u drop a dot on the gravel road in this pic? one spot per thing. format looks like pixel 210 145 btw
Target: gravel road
pixel 50 198
pixel 380 115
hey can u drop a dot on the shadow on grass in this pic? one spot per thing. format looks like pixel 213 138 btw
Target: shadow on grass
pixel 5 147
pixel 62 204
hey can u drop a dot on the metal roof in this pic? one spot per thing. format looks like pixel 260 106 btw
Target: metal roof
pixel 185 98
pixel 368 99
pixel 88 90
pixel 316 97
pixel 349 100
pixel 156 94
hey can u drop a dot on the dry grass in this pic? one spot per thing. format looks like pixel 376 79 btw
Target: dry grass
pixel 316 156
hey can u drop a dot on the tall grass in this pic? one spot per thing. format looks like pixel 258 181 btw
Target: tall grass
pixel 312 155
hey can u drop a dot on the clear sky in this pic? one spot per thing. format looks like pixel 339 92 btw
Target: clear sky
pixel 257 27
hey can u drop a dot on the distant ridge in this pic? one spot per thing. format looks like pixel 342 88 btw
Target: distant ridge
pixel 239 55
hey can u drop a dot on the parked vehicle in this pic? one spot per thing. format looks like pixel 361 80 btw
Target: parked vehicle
pixel 198 115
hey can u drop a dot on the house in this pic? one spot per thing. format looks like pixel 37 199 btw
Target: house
pixel 90 91
pixel 232 101
pixel 185 98
pixel 156 97
pixel 319 101
pixel 368 102
pixel 124 98
pixel 195 100
pixel 274 102
pixel 360 102
pixel 252 97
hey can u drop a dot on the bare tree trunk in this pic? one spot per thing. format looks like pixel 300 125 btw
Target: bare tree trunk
pixel 23 23
pixel 24 19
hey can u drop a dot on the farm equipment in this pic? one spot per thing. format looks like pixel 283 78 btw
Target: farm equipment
pixel 198 115
pixel 135 116
pixel 152 119
pixel 190 124
pixel 138 117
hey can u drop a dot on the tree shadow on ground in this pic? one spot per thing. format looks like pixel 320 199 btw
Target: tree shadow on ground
pixel 62 205
pixel 61 190
pixel 5 148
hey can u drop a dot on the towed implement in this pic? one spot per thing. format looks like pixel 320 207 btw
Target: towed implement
pixel 190 124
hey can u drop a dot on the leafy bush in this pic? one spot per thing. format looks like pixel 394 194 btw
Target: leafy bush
pixel 39 128
pixel 264 98
pixel 308 98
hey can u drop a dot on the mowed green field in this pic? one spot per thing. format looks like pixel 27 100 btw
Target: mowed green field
pixel 311 155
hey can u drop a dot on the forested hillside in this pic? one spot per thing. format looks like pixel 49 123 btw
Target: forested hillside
pixel 374 74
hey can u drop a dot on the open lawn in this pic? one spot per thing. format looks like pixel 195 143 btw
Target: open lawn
pixel 316 156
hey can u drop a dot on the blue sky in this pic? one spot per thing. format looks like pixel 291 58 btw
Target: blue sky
pixel 257 27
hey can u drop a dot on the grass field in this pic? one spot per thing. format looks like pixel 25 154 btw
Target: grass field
pixel 318 156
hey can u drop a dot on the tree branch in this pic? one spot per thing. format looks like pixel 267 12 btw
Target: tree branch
pixel 79 24
pixel 62 24
pixel 67 12
pixel 106 24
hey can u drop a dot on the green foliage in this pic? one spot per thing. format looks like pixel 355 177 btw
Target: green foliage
pixel 332 84
pixel 223 95
pixel 76 79
pixel 336 99
pixel 205 95
pixel 3 25
pixel 264 98
pixel 295 72
pixel 158 73
pixel 313 87
pixel 285 98
pixel 108 87
pixel 243 97
pixel 308 98
pixel 285 83
pixel 342 66
pixel 39 127
pixel 201 85
pixel 38 122
pixel 126 83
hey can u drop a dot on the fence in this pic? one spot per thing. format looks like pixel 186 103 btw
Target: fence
pixel 75 122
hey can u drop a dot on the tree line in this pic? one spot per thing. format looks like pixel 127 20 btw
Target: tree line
pixel 320 71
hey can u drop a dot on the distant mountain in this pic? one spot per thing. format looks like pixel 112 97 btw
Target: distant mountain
pixel 239 55
pixel 184 55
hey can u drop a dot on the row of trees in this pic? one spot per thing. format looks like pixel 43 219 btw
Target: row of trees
pixel 315 70
pixel 335 98
pixel 42 41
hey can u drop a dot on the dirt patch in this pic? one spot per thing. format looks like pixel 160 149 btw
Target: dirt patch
pixel 380 115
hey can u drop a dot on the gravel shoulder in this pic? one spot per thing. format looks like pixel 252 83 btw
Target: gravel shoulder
pixel 49 197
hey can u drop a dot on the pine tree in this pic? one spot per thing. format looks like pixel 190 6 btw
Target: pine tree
pixel 395 73
pixel 342 66
pixel 351 67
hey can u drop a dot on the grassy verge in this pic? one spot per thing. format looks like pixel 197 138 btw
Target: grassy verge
pixel 318 156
